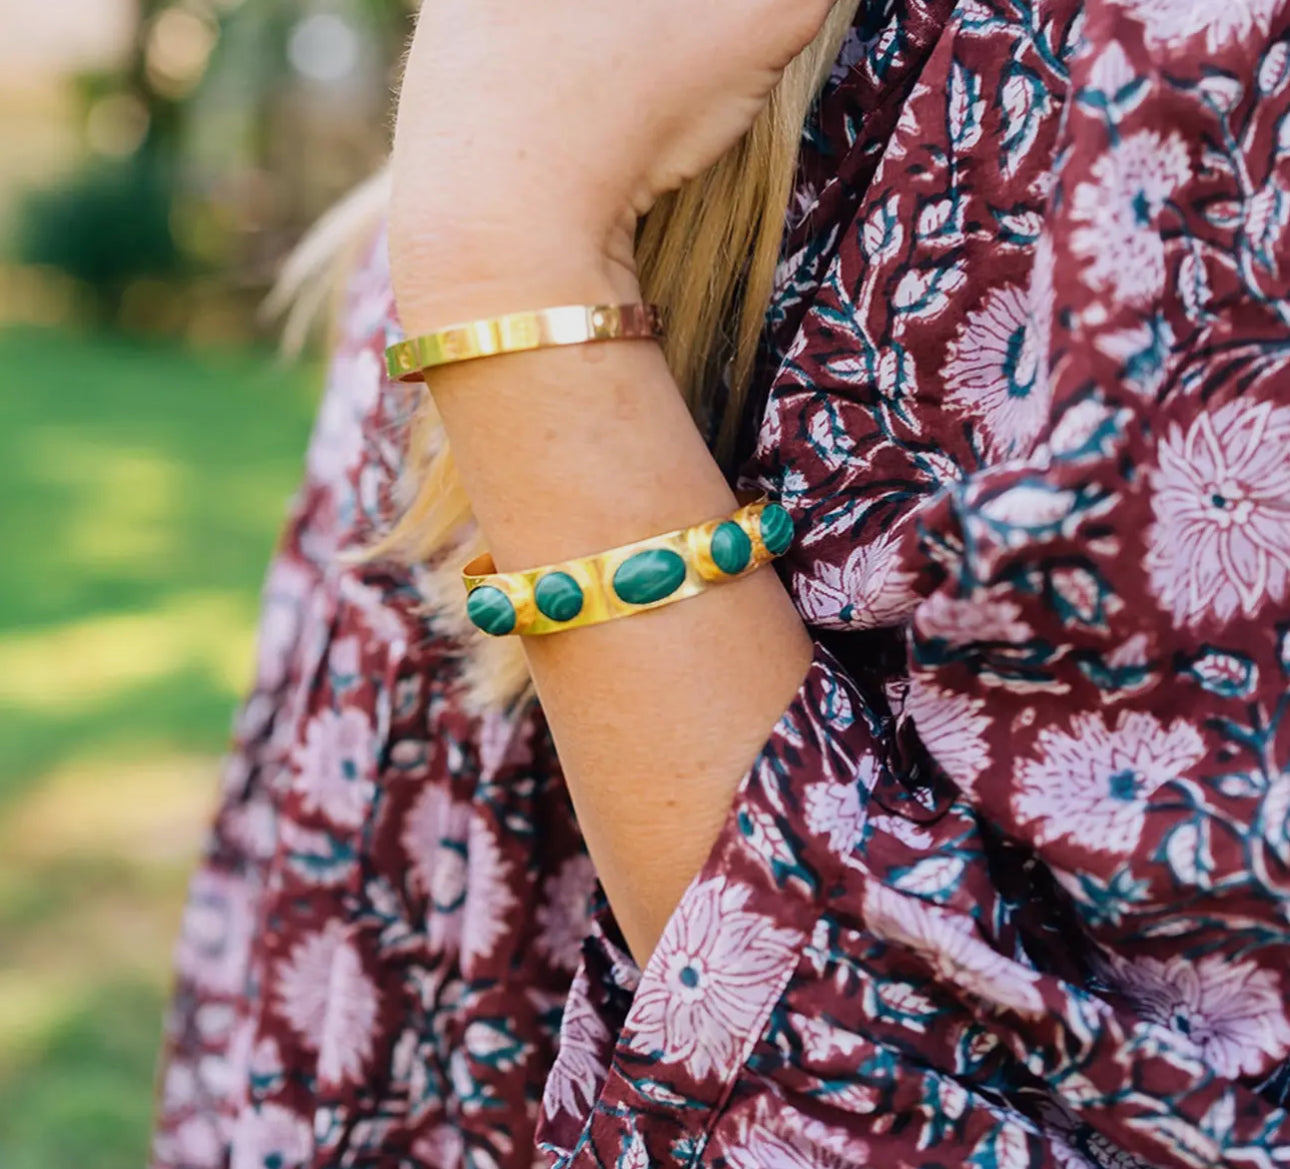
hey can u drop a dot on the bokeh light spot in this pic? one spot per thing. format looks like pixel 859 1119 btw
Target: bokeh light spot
pixel 324 48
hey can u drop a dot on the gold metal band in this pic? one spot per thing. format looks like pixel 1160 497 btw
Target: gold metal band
pixel 576 324
pixel 628 580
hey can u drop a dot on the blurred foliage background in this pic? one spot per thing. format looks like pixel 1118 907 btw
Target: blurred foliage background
pixel 157 159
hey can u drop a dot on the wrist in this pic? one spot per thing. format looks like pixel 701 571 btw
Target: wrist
pixel 465 262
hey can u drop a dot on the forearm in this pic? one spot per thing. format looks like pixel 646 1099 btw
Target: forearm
pixel 529 140
pixel 570 452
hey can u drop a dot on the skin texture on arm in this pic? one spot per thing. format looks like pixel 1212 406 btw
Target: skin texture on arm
pixel 522 194
pixel 656 717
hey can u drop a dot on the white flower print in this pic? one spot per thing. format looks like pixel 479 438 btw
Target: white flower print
pixel 922 294
pixel 996 372
pixel 345 661
pixel 252 824
pixel 934 877
pixel 822 1041
pixel 563 917
pixel 1112 72
pixel 1030 508
pixel 634 1154
pixel 581 1065
pixel 952 727
pixel 953 1098
pixel 1007 1147
pixel 1043 274
pixel 958 622
pixel 1143 351
pixel 265 1059
pixel 966 107
pixel 387 625
pixel 225 1074
pixel 1275 70
pixel 179 1088
pixel 361 375
pixel 495 1042
pixel 832 443
pixel 764 1148
pixel 788 269
pixel 906 831
pixel 215 1022
pixel 1081 594
pixel 778 1136
pixel 1274 818
pixel 195 1144
pixel 270 1137
pixel 1133 651
pixel 1090 786
pixel 1118 210
pixel 330 1003
pixel 443 1145
pixel 907 128
pixel 1025 104
pixel 836 810
pixel 285 594
pixel 488 897
pixel 765 841
pixel 974 12
pixel 1266 216
pixel 503 741
pixel 1229 675
pixel 883 231
pixel 1174 22
pixel 215 939
pixel 334 764
pixel 942 470
pixel 1220 540
pixel 948 943
pixel 345 1043
pixel 319 856
pixel 1232 1015
pixel 434 839
pixel 870 591
pixel 337 442
pixel 716 971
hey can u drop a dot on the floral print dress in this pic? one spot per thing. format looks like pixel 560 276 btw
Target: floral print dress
pixel 1009 886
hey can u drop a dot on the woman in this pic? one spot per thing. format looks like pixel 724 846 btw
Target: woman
pixel 975 854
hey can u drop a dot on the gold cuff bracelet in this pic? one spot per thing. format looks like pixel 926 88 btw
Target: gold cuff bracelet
pixel 520 333
pixel 632 579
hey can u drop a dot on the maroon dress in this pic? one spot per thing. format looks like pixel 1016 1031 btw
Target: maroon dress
pixel 1009 885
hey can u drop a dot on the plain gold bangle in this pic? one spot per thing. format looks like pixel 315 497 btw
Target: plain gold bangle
pixel 632 579
pixel 577 324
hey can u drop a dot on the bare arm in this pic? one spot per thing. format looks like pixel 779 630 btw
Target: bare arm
pixel 566 453
pixel 571 452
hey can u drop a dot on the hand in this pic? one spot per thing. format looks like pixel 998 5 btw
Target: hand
pixel 531 136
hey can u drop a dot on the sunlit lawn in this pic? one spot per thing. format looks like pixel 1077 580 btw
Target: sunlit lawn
pixel 140 492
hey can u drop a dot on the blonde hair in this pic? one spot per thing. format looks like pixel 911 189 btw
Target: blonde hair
pixel 706 254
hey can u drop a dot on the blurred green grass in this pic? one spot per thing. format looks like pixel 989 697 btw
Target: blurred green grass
pixel 139 482
pixel 141 489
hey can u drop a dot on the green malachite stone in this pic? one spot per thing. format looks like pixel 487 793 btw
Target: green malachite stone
pixel 649 576
pixel 559 596
pixel 776 530
pixel 731 548
pixel 491 610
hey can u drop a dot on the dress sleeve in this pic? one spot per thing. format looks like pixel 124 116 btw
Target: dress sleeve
pixel 647 1055
pixel 1026 903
